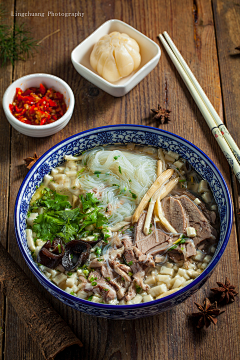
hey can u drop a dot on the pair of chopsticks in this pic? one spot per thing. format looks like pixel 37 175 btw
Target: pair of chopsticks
pixel 219 131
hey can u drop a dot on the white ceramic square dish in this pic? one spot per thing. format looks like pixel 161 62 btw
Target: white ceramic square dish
pixel 149 50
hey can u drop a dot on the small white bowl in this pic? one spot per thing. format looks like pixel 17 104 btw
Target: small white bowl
pixel 149 50
pixel 35 80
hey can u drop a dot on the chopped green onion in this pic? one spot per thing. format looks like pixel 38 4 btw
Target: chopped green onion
pixel 86 272
pixel 69 274
pixel 94 283
pixel 120 170
pixel 90 298
pixel 182 180
pixel 116 157
pixel 98 251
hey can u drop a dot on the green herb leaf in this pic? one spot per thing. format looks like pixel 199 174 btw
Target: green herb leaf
pixel 120 170
pixel 134 196
pixel 138 289
pixel 116 157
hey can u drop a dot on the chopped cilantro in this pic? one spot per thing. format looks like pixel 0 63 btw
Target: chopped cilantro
pixel 72 293
pixel 69 274
pixel 130 180
pixel 71 256
pixel 100 259
pixel 108 278
pixel 120 170
pixel 105 289
pixel 130 263
pixel 134 196
pixel 138 289
pixel 130 273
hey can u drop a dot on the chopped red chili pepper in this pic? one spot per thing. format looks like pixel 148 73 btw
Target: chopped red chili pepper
pixel 38 106
pixel 42 89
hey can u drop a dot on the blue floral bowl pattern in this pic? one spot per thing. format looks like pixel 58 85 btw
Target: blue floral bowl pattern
pixel 124 134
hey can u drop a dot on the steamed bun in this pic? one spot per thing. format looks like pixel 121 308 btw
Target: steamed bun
pixel 115 56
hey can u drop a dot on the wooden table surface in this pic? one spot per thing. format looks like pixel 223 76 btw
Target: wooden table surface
pixel 206 33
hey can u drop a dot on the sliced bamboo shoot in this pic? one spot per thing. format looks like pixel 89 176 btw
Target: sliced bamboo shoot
pixel 155 186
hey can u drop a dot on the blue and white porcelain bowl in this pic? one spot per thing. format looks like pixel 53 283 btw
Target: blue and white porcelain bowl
pixel 124 134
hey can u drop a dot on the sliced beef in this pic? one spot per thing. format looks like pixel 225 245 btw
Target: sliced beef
pixel 118 268
pixel 159 249
pixel 198 221
pixel 132 292
pixel 94 275
pixel 136 267
pixel 210 215
pixel 106 290
pixel 124 285
pixel 83 280
pixel 102 287
pixel 145 243
pixel 139 277
pixel 129 255
pixel 127 241
pixel 116 241
pixel 116 253
pixel 190 249
pixel 95 263
pixel 175 214
pixel 107 272
pixel 183 251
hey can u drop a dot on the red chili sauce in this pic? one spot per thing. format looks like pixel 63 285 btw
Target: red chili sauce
pixel 38 106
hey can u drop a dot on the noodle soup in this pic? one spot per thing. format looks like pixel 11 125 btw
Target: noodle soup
pixel 122 224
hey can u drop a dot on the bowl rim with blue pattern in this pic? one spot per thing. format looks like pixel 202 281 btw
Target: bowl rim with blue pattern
pixel 123 134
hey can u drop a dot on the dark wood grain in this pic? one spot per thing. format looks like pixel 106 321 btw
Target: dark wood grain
pixel 5 161
pixel 227 14
pixel 170 335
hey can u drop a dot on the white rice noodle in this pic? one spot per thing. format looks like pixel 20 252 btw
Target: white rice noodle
pixel 105 168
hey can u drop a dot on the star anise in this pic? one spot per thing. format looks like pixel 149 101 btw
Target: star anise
pixel 30 161
pixel 208 313
pixel 161 114
pixel 225 292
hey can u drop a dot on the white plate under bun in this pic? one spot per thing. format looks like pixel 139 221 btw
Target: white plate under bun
pixel 34 80
pixel 149 50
